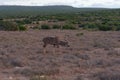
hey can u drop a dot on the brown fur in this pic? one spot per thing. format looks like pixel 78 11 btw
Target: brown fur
pixel 54 41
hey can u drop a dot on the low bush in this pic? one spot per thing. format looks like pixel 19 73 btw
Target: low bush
pixel 68 27
pixel 25 72
pixel 45 27
pixel 56 27
pixel 82 56
pixel 117 28
pixel 114 75
pixel 22 28
pixel 15 62
pixel 104 28
pixel 1 19
pixel 113 52
pixel 8 26
pixel 37 77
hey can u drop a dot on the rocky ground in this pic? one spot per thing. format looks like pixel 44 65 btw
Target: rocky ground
pixel 92 55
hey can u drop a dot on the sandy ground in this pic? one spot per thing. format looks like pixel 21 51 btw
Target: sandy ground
pixel 92 55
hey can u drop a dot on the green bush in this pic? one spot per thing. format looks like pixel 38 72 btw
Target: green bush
pixel 1 19
pixel 22 28
pixel 45 27
pixel 105 28
pixel 56 27
pixel 8 26
pixel 26 21
pixel 91 26
pixel 68 27
pixel 118 28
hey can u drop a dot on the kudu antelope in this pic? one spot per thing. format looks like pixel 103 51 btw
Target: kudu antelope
pixel 54 41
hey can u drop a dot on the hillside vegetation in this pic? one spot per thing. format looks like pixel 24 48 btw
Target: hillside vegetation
pixel 21 11
pixel 63 17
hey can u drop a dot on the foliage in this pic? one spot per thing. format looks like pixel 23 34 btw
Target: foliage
pixel 1 19
pixel 45 26
pixel 117 28
pixel 104 28
pixel 26 21
pixel 85 18
pixel 8 26
pixel 22 28
pixel 25 11
pixel 68 26
pixel 56 27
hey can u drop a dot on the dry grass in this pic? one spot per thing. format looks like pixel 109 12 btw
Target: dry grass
pixel 89 54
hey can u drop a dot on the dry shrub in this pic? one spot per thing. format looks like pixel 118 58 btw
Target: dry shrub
pixel 38 77
pixel 100 63
pixel 79 78
pixel 24 71
pixel 83 56
pixel 111 75
pixel 36 71
pixel 113 52
pixel 103 43
pixel 7 61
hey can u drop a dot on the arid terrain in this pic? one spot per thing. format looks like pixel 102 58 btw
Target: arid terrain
pixel 92 55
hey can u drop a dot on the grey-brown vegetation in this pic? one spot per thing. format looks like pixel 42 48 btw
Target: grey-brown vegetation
pixel 92 55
